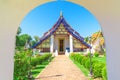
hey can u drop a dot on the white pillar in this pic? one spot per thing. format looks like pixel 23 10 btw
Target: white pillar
pixel 71 43
pixel 51 43
pixel 66 53
pixel 56 53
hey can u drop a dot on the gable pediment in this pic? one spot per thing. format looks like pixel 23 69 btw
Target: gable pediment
pixel 61 30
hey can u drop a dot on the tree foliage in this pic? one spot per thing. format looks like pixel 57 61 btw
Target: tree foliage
pixel 17 36
pixel 21 65
pixel 36 38
pixel 86 39
pixel 19 31
pixel 22 39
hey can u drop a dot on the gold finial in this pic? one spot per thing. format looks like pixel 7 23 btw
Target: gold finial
pixel 61 14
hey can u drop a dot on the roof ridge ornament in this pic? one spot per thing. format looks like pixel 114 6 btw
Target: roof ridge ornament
pixel 61 14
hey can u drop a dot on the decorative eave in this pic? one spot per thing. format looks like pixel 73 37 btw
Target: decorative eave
pixel 67 27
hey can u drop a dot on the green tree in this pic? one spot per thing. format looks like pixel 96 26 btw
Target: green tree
pixel 23 39
pixel 19 31
pixel 33 42
pixel 86 39
pixel 17 36
pixel 36 38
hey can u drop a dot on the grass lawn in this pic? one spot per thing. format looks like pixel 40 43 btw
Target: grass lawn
pixel 39 68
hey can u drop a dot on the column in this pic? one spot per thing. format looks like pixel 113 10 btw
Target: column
pixel 51 43
pixel 71 43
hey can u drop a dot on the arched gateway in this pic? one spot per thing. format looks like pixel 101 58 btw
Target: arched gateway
pixel 61 39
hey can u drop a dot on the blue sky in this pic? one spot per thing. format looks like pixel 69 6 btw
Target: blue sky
pixel 42 18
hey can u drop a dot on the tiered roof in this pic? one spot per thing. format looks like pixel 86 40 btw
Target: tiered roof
pixel 61 20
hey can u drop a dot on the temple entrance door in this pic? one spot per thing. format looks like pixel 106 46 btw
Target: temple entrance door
pixel 61 46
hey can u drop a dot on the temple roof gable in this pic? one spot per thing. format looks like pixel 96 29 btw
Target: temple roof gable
pixel 67 27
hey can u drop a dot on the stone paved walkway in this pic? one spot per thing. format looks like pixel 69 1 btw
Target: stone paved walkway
pixel 61 68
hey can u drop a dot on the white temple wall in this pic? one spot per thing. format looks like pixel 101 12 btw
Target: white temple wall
pixel 56 42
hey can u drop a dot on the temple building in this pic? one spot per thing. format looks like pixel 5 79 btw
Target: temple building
pixel 61 39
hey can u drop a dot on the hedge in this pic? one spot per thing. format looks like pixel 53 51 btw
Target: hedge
pixel 104 73
pixel 87 64
pixel 40 59
pixel 97 70
pixel 84 60
pixel 96 54
pixel 98 67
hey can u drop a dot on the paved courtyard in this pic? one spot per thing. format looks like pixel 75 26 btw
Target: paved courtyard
pixel 61 68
